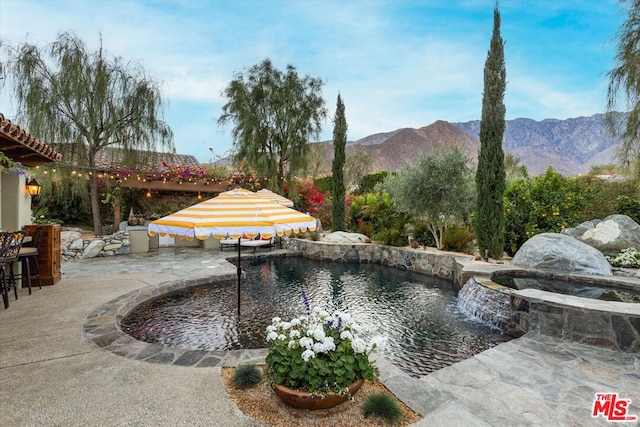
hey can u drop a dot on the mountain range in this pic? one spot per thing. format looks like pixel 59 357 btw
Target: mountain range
pixel 570 146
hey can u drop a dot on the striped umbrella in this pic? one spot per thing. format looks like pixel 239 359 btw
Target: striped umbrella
pixel 270 195
pixel 233 213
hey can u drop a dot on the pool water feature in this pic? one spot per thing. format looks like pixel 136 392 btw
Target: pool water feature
pixel 418 314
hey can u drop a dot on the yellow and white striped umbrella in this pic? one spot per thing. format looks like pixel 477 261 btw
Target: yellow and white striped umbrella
pixel 233 213
pixel 270 195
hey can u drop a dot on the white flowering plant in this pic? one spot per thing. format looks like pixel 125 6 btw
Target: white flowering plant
pixel 628 258
pixel 319 352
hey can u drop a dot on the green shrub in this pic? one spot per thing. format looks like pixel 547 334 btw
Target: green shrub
pixel 383 406
pixel 627 206
pixel 374 215
pixel 541 204
pixel 423 235
pixel 246 376
pixel 604 195
pixel 325 183
pixel 368 182
pixel 457 238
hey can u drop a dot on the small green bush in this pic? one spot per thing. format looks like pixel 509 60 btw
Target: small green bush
pixel 246 376
pixel 325 183
pixel 423 235
pixel 457 238
pixel 627 206
pixel 383 406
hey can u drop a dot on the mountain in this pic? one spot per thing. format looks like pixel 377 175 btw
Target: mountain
pixel 570 146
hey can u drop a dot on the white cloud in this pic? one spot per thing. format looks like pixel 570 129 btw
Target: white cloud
pixel 396 64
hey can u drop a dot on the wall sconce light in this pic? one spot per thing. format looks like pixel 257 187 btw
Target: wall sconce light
pixel 33 187
pixel 199 196
pixel 149 194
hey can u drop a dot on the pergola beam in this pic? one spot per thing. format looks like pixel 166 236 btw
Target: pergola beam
pixel 185 186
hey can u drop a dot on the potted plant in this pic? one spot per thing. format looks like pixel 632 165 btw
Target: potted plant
pixel 320 359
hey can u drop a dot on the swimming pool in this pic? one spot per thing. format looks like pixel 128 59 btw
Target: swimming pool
pixel 418 314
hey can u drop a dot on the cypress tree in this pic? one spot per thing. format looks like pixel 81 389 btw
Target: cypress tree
pixel 489 222
pixel 338 208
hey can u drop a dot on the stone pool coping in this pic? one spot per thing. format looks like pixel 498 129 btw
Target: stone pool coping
pixel 102 327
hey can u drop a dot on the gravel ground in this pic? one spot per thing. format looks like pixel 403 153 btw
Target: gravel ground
pixel 262 404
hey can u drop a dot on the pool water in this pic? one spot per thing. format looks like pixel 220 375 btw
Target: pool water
pixel 418 314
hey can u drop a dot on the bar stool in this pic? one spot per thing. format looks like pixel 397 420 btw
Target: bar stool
pixel 29 253
pixel 11 256
pixel 5 241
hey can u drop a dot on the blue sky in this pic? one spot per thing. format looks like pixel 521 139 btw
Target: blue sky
pixel 396 63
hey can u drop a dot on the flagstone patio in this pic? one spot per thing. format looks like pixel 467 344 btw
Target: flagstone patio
pixel 52 374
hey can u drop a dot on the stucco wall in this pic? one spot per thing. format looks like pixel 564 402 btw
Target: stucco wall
pixel 15 202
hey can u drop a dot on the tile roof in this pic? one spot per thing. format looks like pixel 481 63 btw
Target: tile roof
pixel 112 159
pixel 20 146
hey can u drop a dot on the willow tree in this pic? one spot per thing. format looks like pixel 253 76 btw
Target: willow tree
pixel 338 207
pixel 624 82
pixel 275 113
pixel 83 102
pixel 489 223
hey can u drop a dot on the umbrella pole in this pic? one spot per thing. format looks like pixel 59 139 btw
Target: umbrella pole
pixel 239 274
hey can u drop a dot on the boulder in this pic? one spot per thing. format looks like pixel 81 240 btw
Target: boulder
pixel 76 245
pixel 344 237
pixel 577 232
pixel 554 251
pixel 93 249
pixel 613 234
pixel 68 236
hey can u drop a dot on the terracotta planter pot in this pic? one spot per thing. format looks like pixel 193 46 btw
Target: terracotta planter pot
pixel 299 399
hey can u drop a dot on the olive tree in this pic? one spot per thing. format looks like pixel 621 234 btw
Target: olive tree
pixel 274 113
pixel 437 189
pixel 83 101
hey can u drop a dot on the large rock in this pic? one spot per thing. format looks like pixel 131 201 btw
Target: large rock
pixel 553 251
pixel 343 237
pixel 76 245
pixel 93 249
pixel 613 234
pixel 68 236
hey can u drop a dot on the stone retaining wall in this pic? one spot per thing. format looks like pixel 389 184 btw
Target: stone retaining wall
pixel 430 263
pixel 608 324
pixel 114 244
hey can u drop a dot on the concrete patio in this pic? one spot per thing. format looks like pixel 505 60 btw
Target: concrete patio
pixel 51 374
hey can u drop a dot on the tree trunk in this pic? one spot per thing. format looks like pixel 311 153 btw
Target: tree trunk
pixel 117 215
pixel 95 204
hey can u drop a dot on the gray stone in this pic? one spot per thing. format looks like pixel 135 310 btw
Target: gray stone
pixel 577 232
pixel 123 250
pixel 554 251
pixel 76 245
pixel 68 236
pixel 344 237
pixel 112 247
pixel 94 249
pixel 613 234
